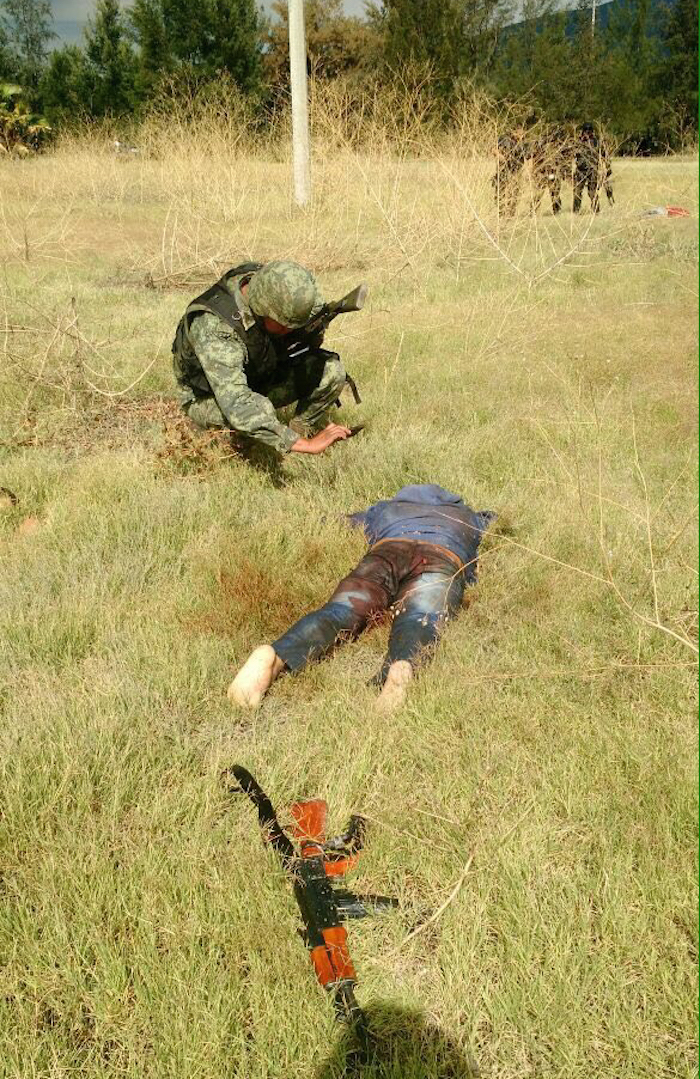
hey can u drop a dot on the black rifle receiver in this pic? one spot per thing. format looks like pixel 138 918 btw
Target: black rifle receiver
pixel 300 342
pixel 323 907
pixel 310 336
pixel 354 301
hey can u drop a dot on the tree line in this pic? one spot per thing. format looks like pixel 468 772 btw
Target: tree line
pixel 631 65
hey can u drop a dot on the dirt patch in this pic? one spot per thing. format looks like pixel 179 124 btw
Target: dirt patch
pixel 155 422
pixel 249 595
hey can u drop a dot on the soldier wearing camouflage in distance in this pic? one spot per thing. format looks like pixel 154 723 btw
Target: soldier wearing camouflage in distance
pixel 231 358
pixel 592 168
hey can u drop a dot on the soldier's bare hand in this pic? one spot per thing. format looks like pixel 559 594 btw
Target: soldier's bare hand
pixel 320 442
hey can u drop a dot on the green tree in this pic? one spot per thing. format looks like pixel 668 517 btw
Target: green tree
pixel 481 25
pixel 454 38
pixel 206 38
pixel 110 62
pixel 423 33
pixel 237 30
pixel 336 44
pixel 7 62
pixel 155 57
pixel 677 76
pixel 27 26
pixel 64 88
pixel 532 55
pixel 627 102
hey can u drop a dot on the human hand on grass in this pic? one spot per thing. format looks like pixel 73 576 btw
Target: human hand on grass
pixel 320 442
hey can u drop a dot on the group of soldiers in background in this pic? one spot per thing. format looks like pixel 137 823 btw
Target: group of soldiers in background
pixel 556 154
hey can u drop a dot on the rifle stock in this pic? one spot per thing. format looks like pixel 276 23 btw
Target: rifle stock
pixel 323 908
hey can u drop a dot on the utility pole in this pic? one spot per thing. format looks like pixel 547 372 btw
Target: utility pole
pixel 300 114
pixel 593 7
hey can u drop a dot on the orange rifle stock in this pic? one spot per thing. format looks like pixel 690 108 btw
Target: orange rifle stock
pixel 323 907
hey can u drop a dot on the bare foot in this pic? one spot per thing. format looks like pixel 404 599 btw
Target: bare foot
pixel 28 526
pixel 395 688
pixel 255 677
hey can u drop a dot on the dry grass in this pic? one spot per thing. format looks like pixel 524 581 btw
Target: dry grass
pixel 543 367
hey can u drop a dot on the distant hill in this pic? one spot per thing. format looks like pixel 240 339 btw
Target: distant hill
pixel 602 17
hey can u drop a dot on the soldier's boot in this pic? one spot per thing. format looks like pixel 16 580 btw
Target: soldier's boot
pixel 255 677
pixel 395 688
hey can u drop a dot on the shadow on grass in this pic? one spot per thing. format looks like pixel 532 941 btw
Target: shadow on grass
pixel 262 459
pixel 188 448
pixel 403 1045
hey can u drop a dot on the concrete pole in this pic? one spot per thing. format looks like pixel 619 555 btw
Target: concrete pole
pixel 300 114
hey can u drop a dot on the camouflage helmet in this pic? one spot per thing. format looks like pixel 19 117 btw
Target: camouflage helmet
pixel 283 291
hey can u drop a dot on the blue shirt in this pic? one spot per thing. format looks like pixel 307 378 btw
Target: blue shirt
pixel 428 514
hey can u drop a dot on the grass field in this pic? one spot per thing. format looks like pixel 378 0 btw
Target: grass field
pixel 545 368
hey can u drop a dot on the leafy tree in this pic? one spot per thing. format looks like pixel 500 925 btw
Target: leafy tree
pixel 207 37
pixel 626 99
pixel 22 129
pixel 482 22
pixel 27 25
pixel 7 61
pixel 454 38
pixel 156 58
pixel 336 44
pixel 64 88
pixel 423 33
pixel 110 61
pixel 237 29
pixel 534 59
pixel 677 77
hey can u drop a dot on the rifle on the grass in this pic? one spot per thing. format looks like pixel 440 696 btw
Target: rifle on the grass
pixel 310 335
pixel 323 906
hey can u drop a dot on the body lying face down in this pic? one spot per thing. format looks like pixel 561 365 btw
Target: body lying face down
pixel 424 545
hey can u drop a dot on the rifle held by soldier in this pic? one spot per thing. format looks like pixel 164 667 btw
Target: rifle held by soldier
pixel 311 334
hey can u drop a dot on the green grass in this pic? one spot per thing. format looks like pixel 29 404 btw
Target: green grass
pixel 144 931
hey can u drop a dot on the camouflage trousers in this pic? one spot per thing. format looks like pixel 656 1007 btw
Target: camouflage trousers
pixel 314 383
pixel 546 180
pixel 592 179
pixel 421 585
pixel 506 189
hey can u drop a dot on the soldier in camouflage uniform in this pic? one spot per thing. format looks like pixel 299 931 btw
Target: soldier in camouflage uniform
pixel 593 169
pixel 552 159
pixel 511 151
pixel 233 367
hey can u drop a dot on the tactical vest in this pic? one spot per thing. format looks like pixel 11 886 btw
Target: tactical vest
pixel 217 300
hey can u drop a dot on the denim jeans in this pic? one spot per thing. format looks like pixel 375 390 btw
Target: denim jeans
pixel 419 583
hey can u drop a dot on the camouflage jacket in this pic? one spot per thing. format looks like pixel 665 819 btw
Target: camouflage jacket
pixel 592 156
pixel 210 358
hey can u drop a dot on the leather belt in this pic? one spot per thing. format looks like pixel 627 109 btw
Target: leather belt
pixel 425 543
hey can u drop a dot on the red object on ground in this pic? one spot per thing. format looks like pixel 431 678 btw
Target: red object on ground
pixel 677 211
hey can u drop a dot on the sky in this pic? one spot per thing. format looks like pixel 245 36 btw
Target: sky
pixel 70 16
